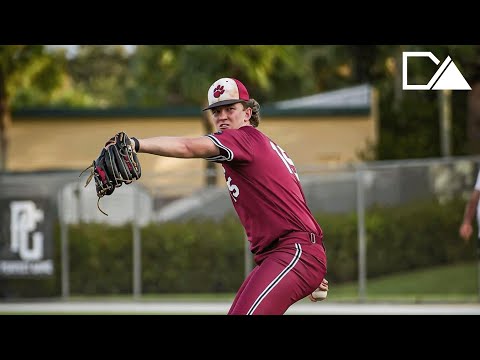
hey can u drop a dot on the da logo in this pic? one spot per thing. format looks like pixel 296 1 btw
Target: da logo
pixel 447 77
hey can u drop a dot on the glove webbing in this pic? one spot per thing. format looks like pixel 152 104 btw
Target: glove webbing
pixel 104 187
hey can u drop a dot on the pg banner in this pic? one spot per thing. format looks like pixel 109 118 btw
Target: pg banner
pixel 26 237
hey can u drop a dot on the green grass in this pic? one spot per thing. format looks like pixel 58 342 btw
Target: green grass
pixel 184 297
pixel 442 284
pixel 450 283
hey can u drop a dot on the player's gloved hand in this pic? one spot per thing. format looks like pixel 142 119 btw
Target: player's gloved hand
pixel 117 164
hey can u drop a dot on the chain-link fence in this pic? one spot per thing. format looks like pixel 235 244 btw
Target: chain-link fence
pixel 379 219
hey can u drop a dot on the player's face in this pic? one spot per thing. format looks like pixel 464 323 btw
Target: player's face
pixel 232 116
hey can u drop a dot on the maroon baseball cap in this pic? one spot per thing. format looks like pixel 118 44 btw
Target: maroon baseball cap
pixel 226 91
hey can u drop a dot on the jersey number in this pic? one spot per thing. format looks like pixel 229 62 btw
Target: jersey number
pixel 286 160
pixel 234 190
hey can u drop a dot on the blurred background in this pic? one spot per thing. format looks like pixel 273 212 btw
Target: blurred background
pixel 386 171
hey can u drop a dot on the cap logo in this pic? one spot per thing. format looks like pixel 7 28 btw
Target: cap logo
pixel 226 91
pixel 218 91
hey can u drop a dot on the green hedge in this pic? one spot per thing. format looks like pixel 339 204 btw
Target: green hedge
pixel 418 235
pixel 208 256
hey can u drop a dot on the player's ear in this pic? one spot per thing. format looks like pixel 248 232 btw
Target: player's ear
pixel 248 114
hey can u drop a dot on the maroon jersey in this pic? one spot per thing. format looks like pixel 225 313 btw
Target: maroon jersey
pixel 264 186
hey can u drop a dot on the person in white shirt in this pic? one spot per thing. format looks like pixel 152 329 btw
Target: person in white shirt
pixel 466 228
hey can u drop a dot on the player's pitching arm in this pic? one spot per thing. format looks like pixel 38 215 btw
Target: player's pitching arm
pixel 178 147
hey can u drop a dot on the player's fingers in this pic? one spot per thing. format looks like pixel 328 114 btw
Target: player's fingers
pixel 312 298
pixel 323 285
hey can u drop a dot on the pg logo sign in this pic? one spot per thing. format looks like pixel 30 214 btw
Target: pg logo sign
pixel 24 217
pixel 26 244
pixel 447 76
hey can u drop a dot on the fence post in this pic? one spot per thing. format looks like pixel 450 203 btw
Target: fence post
pixel 64 246
pixel 248 261
pixel 137 250
pixel 361 233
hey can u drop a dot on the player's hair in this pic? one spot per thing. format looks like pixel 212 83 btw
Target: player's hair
pixel 252 103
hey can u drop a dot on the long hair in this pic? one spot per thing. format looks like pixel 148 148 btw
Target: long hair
pixel 255 119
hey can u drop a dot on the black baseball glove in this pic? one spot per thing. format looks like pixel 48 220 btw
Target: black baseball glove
pixel 116 165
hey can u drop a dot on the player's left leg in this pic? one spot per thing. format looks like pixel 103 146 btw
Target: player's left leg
pixel 241 289
pixel 284 277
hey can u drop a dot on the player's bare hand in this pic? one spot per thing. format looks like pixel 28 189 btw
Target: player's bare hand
pixel 465 231
pixel 320 293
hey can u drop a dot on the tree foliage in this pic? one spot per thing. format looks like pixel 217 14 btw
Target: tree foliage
pixel 26 72
pixel 102 73
pixel 178 75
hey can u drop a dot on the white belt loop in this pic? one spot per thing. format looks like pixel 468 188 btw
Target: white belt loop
pixel 312 238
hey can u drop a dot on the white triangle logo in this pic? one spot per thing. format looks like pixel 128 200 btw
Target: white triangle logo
pixel 447 76
pixel 451 79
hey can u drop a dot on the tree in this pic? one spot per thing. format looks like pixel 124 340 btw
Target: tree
pixel 23 66
pixel 102 72
pixel 181 74
pixel 409 120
